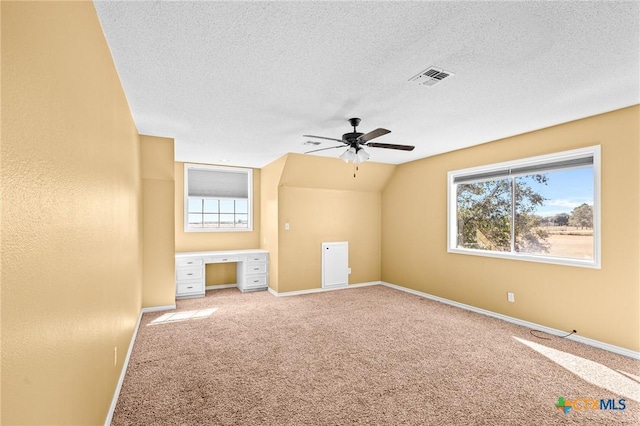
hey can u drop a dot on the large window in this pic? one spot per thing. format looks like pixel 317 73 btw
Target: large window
pixel 217 198
pixel 543 209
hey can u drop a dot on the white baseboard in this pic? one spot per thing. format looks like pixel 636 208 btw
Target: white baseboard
pixel 321 290
pixel 220 286
pixel 157 308
pixel 601 345
pixel 123 373
pixel 125 364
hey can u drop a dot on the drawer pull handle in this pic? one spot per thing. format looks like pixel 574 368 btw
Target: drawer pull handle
pixel 256 269
pixel 189 263
pixel 224 260
pixel 190 287
pixel 190 274
pixel 256 281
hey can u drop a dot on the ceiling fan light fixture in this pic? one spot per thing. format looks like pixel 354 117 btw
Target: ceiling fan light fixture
pixel 349 155
pixel 361 156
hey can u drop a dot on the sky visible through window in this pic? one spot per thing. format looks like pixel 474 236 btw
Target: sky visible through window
pixel 565 190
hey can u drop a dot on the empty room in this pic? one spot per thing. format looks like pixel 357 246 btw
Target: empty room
pixel 320 213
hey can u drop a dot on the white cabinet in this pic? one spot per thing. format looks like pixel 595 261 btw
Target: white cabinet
pixel 189 288
pixel 189 277
pixel 188 263
pixel 252 270
pixel 189 273
pixel 189 280
pixel 253 274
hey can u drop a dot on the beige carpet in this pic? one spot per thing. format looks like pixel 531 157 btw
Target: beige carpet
pixel 370 355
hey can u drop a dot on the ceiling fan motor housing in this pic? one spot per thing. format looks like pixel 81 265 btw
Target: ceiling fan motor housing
pixel 351 138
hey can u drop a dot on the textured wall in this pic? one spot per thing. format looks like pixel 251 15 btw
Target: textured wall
pixel 325 215
pixel 601 304
pixel 157 168
pixel 269 227
pixel 323 202
pixel 71 222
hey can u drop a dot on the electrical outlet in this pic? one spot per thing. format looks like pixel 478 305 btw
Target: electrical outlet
pixel 511 297
pixel 349 270
pixel 286 226
pixel 115 356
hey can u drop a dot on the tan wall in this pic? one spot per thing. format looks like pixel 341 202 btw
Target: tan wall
pixel 158 274
pixel 323 215
pixel 323 202
pixel 220 274
pixel 308 171
pixel 270 182
pixel 200 241
pixel 600 304
pixel 71 216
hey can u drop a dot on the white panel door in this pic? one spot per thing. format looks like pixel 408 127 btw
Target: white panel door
pixel 335 264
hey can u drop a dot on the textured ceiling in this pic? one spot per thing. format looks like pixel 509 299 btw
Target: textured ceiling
pixel 241 82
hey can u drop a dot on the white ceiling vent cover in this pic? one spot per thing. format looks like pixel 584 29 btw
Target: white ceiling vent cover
pixel 431 76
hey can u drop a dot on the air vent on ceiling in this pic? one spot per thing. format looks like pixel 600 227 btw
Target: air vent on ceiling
pixel 431 76
pixel 312 143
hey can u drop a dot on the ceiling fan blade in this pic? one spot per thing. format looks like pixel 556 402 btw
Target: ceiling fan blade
pixel 322 137
pixel 373 134
pixel 391 146
pixel 322 149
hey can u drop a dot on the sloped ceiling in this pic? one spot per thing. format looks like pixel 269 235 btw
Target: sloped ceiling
pixel 239 83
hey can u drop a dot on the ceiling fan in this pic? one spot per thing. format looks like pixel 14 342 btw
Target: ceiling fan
pixel 356 141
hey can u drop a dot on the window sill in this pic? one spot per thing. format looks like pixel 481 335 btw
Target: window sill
pixel 218 229
pixel 582 263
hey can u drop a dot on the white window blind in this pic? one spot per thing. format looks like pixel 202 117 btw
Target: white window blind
pixel 211 183
pixel 527 169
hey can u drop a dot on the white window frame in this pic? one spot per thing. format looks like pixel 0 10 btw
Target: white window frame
pixel 249 172
pixel 452 223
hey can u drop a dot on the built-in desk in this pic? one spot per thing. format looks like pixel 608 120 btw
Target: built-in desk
pixel 252 272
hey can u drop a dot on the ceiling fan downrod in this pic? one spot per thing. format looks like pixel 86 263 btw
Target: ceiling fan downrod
pixel 355 122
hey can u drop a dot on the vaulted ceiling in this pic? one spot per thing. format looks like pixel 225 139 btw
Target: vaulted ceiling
pixel 239 83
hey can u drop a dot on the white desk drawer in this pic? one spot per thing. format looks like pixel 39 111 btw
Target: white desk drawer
pixel 223 259
pixel 256 281
pixel 256 268
pixel 190 288
pixel 188 262
pixel 257 258
pixel 189 273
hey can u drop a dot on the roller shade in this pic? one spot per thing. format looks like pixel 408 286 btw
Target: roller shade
pixel 529 169
pixel 205 183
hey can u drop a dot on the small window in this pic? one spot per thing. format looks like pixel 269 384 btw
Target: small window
pixel 543 209
pixel 217 198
